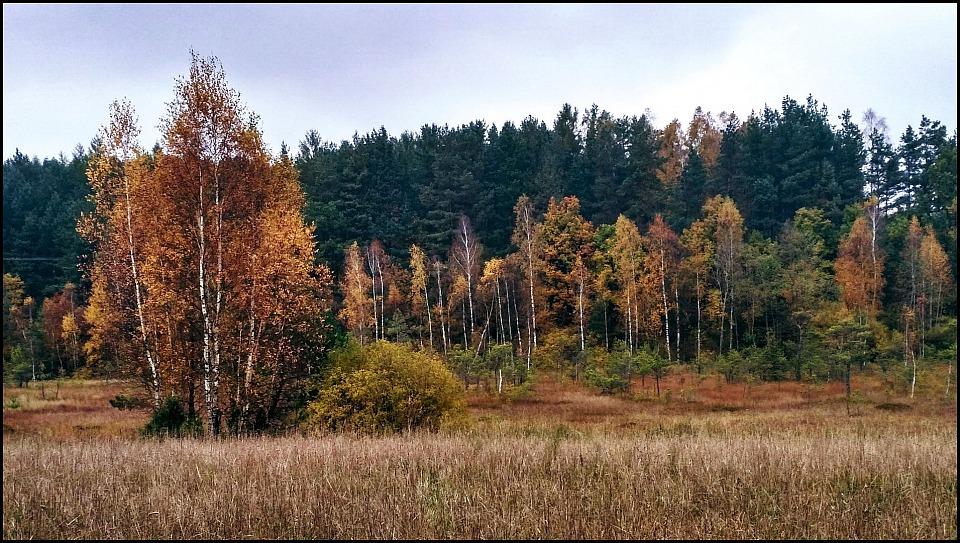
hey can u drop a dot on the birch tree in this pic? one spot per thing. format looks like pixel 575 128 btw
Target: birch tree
pixel 466 253
pixel 214 159
pixel 438 267
pixel 116 174
pixel 565 237
pixel 525 237
pixel 419 294
pixel 859 270
pixel 699 249
pixel 663 255
pixel 726 223
pixel 376 261
pixel 935 274
pixel 628 257
pixel 492 275
pixel 202 251
pixel 355 286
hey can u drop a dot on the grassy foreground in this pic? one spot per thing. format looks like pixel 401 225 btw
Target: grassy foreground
pixel 721 462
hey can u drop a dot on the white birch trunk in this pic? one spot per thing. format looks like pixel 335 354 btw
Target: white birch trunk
pixel 154 371
pixel 666 307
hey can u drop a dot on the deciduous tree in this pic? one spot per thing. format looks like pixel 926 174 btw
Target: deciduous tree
pixel 355 286
pixel 859 269
pixel 662 262
pixel 419 294
pixel 567 238
pixel 203 253
pixel 120 185
pixel 466 253
pixel 627 247
pixel 526 239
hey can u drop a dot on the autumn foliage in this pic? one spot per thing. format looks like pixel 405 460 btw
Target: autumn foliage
pixel 386 387
pixel 204 278
pixel 602 251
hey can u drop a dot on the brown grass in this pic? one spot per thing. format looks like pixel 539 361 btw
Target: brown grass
pixel 70 409
pixel 685 395
pixel 788 462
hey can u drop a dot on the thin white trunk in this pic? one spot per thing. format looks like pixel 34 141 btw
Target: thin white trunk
pixel 218 304
pixel 470 300
pixel 501 335
pixel 699 309
pixel 426 301
pixel 913 378
pixel 676 314
pixel 506 293
pixel 730 347
pixel 154 372
pixel 873 212
pixel 630 302
pixel 516 318
pixel 205 314
pixel 906 340
pixel 606 327
pixel 528 230
pixel 383 300
pixel 443 328
pixel 486 330
pixel 666 307
pixel 357 274
pixel 723 316
pixel 252 348
pixel 465 254
pixel 583 341
pixel 373 290
pixel 463 310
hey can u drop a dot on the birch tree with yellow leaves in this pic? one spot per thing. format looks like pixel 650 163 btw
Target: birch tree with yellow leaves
pixel 203 260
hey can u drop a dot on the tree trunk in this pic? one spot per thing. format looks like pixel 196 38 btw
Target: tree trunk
pixel 666 307
pixel 443 328
pixel 583 344
pixel 426 302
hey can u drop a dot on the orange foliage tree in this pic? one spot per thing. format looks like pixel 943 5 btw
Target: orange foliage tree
pixel 662 264
pixel 859 269
pixel 567 243
pixel 204 276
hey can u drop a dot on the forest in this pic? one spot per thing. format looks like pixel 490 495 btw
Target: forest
pixel 792 244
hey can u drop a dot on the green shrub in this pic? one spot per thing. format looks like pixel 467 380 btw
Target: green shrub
pixel 172 420
pixel 610 372
pixel 124 402
pixel 386 387
pixel 17 369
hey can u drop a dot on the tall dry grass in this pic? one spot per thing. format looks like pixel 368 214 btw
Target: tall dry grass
pixel 690 480
pixel 712 461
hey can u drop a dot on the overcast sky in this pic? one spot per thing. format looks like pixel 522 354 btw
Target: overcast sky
pixel 340 69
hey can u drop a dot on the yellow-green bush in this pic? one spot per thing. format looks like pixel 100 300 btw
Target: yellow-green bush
pixel 386 387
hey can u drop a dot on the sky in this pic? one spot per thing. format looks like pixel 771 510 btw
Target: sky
pixel 345 69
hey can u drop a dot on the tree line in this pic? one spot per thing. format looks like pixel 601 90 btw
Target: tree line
pixel 781 246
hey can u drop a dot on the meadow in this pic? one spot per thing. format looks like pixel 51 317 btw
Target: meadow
pixel 703 460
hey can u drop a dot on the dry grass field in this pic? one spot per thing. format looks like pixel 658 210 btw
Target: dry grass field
pixel 706 460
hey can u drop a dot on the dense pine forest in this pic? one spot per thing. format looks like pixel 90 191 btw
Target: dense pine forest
pixel 793 243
